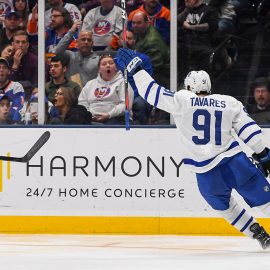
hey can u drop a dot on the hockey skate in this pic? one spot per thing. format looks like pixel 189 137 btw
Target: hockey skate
pixel 261 235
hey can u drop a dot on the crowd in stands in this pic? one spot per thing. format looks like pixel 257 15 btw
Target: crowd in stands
pixel 83 84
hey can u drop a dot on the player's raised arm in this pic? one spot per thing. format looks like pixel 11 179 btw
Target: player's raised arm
pixel 154 94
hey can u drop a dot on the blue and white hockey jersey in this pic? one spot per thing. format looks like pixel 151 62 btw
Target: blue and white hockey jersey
pixel 205 123
pixel 15 92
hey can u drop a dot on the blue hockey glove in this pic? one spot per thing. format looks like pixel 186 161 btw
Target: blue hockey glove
pixel 127 58
pixel 263 161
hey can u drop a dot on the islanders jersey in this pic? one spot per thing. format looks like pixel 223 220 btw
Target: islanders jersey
pixel 205 124
pixel 15 92
pixel 103 27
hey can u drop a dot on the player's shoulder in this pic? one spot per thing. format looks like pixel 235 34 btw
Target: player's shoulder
pixel 227 98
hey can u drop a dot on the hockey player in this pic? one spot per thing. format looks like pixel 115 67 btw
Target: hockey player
pixel 205 122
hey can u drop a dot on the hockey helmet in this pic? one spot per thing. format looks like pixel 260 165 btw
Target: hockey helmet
pixel 197 82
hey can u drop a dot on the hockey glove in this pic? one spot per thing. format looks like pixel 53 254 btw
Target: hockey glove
pixel 263 161
pixel 127 58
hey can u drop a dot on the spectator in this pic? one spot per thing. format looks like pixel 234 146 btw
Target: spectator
pixel 31 112
pixel 83 63
pixel 4 110
pixel 58 69
pixel 197 24
pixel 11 26
pixel 150 42
pixel 260 110
pixel 141 109
pixel 72 9
pixel 227 16
pixel 21 7
pixel 104 96
pixel 69 112
pixel 13 90
pixel 61 22
pixel 5 5
pixel 261 94
pixel 104 22
pixel 25 63
pixel 158 16
pixel 8 52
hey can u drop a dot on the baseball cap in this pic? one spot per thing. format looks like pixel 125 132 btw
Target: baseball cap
pixel 3 95
pixel 10 12
pixel 5 61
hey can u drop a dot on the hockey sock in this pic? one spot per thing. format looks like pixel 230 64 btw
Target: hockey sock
pixel 237 216
pixel 265 209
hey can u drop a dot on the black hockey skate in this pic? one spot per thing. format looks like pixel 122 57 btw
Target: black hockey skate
pixel 261 235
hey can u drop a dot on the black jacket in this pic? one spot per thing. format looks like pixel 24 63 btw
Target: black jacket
pixel 78 115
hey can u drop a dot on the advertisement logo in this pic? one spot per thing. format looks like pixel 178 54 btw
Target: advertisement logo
pixel 25 159
pixel 4 165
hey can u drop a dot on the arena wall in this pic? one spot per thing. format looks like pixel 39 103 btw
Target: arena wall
pixel 104 180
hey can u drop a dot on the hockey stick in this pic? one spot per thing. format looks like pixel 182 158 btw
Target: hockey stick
pixel 124 21
pixel 34 149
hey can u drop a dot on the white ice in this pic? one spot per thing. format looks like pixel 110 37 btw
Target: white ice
pixel 114 252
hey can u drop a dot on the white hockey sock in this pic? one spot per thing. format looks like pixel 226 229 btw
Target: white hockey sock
pixel 265 209
pixel 237 216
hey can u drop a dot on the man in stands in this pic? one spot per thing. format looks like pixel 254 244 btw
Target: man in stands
pixel 58 69
pixel 150 42
pixel 25 63
pixel 141 109
pixel 11 23
pixel 61 23
pixel 72 9
pixel 198 22
pixel 83 63
pixel 158 16
pixel 13 90
pixel 260 111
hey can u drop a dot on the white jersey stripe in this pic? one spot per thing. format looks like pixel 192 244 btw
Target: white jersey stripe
pixel 157 96
pixel 148 90
pixel 252 135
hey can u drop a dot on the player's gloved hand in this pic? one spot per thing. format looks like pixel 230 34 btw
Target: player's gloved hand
pixel 127 58
pixel 263 161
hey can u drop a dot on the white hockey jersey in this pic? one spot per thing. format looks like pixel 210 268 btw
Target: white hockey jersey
pixel 100 96
pixel 103 27
pixel 204 123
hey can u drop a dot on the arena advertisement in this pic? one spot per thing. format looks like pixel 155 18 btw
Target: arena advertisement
pixel 99 172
